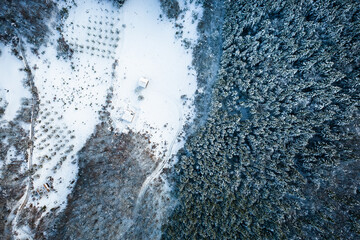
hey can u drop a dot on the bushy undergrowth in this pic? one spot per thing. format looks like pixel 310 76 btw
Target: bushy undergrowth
pixel 278 157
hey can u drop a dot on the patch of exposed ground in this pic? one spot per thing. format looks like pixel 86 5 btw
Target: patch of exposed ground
pixel 112 169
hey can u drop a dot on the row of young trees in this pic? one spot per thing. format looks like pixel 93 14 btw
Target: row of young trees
pixel 30 19
pixel 278 157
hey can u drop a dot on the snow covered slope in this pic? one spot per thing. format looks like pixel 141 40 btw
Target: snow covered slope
pixel 151 49
pixel 111 49
pixel 11 83
pixel 72 92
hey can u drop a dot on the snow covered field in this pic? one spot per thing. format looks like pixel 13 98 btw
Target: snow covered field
pixel 112 49
pixel 150 49
pixel 71 93
pixel 11 83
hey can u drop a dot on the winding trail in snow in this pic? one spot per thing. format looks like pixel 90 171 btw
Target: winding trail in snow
pixel 156 173
pixel 13 218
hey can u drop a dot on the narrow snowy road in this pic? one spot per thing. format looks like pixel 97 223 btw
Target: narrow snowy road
pixel 165 160
pixel 25 198
pixel 23 201
pixel 167 63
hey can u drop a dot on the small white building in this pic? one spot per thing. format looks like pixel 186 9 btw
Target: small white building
pixel 143 82
pixel 128 116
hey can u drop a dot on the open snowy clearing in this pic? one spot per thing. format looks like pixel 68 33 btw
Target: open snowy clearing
pixel 112 49
pixel 11 83
pixel 150 49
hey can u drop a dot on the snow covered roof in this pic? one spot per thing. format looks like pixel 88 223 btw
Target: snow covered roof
pixel 128 116
pixel 143 82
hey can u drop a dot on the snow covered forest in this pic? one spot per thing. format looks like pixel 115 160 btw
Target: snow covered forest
pixel 179 119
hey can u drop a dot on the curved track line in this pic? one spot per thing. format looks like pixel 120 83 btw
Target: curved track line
pixel 13 220
pixel 160 166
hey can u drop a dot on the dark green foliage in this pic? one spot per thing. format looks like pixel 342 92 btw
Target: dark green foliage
pixel 279 156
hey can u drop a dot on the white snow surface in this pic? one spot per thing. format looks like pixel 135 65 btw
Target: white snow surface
pixel 11 83
pixel 151 49
pixel 73 91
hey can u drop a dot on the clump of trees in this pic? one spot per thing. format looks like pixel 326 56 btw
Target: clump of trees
pixel 3 105
pixel 119 3
pixel 206 56
pixel 279 155
pixel 12 174
pixel 64 49
pixel 171 8
pixel 27 18
pixel 112 168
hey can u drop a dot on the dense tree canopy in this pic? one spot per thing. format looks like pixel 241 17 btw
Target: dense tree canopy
pixel 27 19
pixel 279 155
